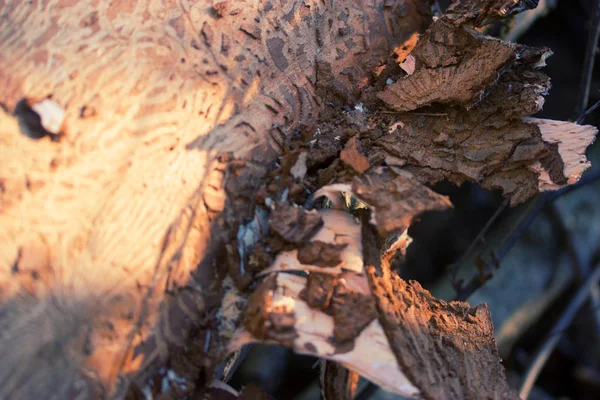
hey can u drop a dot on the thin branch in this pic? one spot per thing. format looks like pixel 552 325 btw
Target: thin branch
pixel 227 368
pixel 517 228
pixel 479 239
pixel 582 266
pixel 590 56
pixel 514 231
pixel 565 320
pixel 582 269
pixel 590 110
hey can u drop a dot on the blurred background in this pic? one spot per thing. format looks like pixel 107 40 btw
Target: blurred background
pixel 536 256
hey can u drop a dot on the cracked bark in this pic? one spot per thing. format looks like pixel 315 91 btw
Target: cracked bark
pixel 130 241
pixel 173 112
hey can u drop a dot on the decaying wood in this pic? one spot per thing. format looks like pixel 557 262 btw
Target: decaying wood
pixel 137 210
pixel 314 328
pixel 446 350
pixel 486 139
pixel 128 205
pixel 340 231
pixel 454 356
pixel 316 306
pixel 480 12
pixel 319 315
pixel 403 198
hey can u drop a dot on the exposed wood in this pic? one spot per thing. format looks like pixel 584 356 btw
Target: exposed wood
pixel 126 206
pixel 308 315
pixel 572 140
pixel 132 226
pixel 314 326
pixel 313 329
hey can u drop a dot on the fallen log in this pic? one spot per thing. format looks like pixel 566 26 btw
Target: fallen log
pixel 142 144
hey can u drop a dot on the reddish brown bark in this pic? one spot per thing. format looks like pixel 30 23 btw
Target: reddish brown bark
pixel 130 228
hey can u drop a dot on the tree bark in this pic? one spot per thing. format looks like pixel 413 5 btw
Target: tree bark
pixel 137 137
pixel 112 236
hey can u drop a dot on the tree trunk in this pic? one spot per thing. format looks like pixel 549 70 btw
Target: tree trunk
pixel 111 235
pixel 135 136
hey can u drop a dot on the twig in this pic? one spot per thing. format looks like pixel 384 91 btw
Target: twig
pixel 582 269
pixel 480 238
pixel 225 370
pixel 565 320
pixel 582 266
pixel 519 226
pixel 590 56
pixel 590 110
pixel 514 231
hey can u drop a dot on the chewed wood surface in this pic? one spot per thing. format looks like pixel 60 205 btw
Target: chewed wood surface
pixel 97 228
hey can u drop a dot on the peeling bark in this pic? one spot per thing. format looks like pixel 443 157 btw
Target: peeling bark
pixel 136 202
pixel 314 329
pixel 321 253
pixel 446 349
pixel 480 102
pixel 129 223
pixel 441 350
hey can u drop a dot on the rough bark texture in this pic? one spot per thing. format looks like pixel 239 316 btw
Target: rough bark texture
pixel 480 89
pixel 139 142
pixel 480 12
pixel 459 115
pixel 321 253
pixel 446 349
pixel 396 198
pixel 126 212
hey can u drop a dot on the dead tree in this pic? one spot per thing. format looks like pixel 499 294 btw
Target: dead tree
pixel 158 159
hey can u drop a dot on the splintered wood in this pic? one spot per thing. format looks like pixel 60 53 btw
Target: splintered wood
pixel 161 159
pixel 481 89
pixel 407 333
pixel 460 114
pixel 134 207
pixel 330 314
pixel 446 350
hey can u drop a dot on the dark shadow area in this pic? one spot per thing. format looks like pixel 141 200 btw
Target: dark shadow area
pixel 441 237
pixel 278 370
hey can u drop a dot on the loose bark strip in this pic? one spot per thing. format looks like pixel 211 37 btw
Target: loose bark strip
pixel 369 355
pixel 395 198
pixel 339 230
